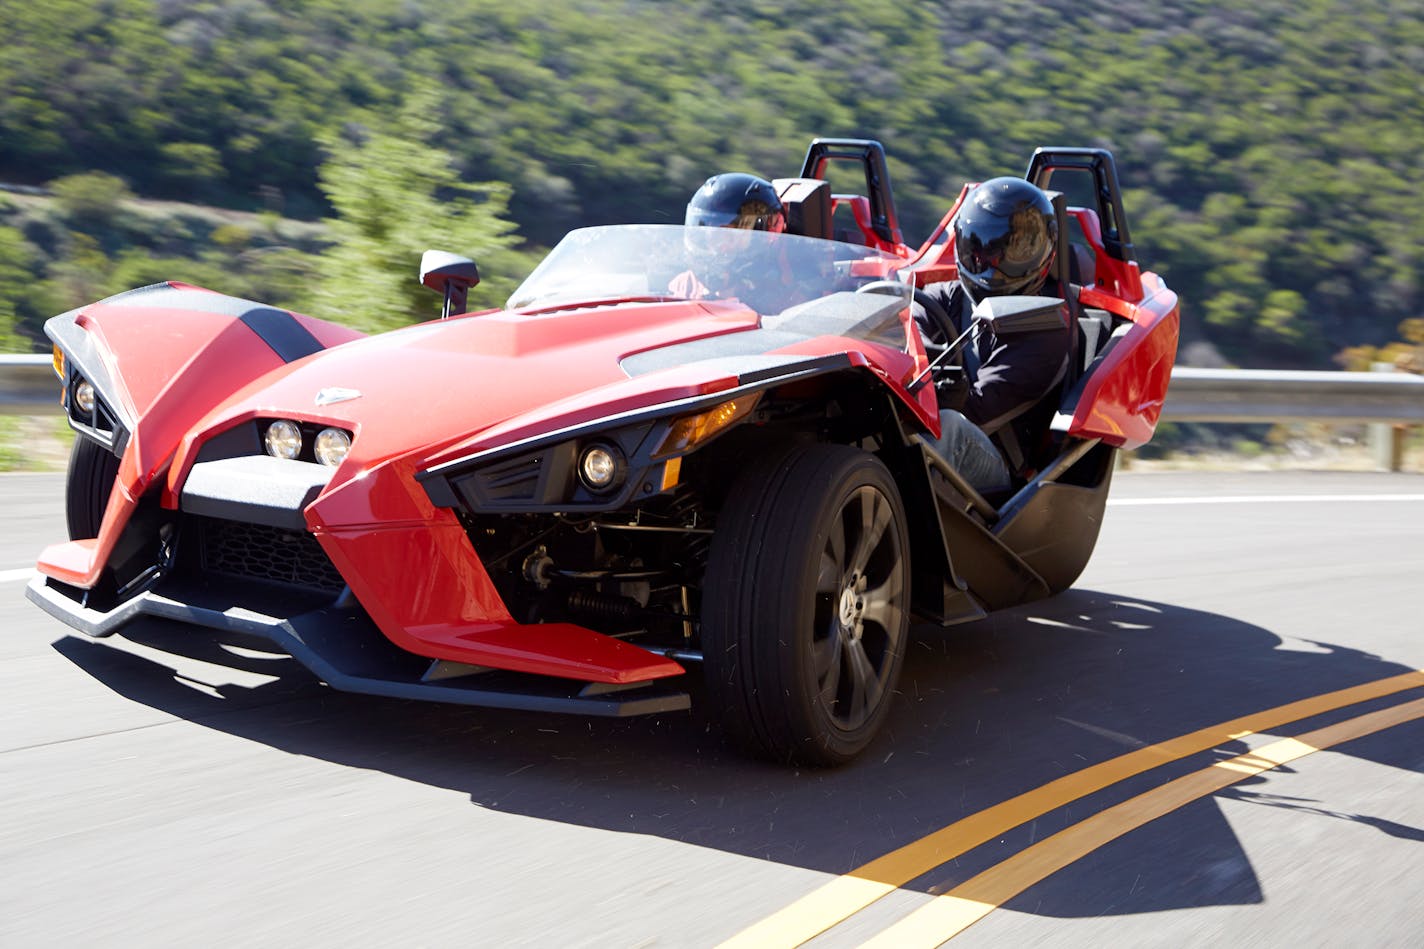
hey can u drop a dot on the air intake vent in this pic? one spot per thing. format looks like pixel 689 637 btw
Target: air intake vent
pixel 517 483
pixel 274 554
pixel 516 480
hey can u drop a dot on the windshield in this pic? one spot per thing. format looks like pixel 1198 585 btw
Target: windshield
pixel 766 271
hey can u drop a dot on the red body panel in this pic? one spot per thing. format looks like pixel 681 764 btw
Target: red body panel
pixel 1123 398
pixel 424 587
pixel 432 383
pixel 169 367
pixel 172 366
pixel 412 567
pixel 1120 278
pixel 73 561
pixel 80 562
pixel 449 388
pixel 896 369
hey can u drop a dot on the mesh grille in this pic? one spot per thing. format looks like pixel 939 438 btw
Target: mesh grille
pixel 268 553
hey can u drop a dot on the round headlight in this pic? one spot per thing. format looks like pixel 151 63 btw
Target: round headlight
pixel 84 397
pixel 332 444
pixel 284 439
pixel 600 467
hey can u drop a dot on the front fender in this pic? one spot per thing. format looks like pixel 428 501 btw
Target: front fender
pixel 160 358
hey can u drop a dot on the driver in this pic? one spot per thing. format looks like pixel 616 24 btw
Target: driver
pixel 1005 237
pixel 725 264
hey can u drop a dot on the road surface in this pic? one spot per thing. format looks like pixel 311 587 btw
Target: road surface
pixel 1216 737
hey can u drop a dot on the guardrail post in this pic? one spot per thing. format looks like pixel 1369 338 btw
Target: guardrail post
pixel 1386 438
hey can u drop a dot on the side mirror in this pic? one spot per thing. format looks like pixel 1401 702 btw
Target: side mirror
pixel 451 275
pixel 1010 315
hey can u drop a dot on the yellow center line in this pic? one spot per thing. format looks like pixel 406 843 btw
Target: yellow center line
pixel 847 895
pixel 946 916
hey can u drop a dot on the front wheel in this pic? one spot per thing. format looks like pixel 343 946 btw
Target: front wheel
pixel 806 604
pixel 92 470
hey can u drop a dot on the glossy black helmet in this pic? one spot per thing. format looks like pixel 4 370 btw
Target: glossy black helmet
pixel 1004 238
pixel 736 200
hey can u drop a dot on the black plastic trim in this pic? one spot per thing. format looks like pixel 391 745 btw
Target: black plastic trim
pixel 345 649
pixel 806 367
pixel 82 359
pixel 257 489
pixel 636 432
pixel 1099 161
pixel 280 330
pixel 871 155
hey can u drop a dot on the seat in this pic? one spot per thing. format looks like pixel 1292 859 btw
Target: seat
pixel 1094 328
pixel 1044 447
pixel 1064 273
pixel 1082 264
pixel 807 203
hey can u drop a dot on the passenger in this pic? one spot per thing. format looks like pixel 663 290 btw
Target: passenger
pixel 738 202
pixel 1005 237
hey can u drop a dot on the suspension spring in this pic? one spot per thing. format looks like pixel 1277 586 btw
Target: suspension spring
pixel 604 607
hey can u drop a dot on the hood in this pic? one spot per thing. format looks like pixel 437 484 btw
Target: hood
pixel 432 383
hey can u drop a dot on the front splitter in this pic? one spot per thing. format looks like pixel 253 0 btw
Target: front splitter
pixel 345 649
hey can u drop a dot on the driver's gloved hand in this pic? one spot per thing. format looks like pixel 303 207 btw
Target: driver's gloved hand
pixel 951 388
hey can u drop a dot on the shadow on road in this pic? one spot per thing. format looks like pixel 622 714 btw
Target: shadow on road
pixel 988 710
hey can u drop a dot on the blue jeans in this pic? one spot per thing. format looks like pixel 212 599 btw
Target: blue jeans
pixel 970 452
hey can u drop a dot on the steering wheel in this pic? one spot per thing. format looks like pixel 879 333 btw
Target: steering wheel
pixel 934 310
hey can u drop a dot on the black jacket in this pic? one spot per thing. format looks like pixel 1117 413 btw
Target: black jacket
pixel 1008 377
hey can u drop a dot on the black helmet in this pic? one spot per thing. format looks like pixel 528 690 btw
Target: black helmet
pixel 1004 238
pixel 736 200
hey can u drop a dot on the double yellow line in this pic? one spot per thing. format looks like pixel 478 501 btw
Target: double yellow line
pixel 946 915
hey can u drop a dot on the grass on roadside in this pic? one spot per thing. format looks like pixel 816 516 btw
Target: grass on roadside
pixel 1288 447
pixel 34 443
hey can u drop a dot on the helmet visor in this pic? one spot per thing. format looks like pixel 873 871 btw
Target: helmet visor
pixel 771 220
pixel 706 217
pixel 1002 254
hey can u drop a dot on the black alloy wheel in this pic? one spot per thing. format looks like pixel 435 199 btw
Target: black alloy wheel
pixel 806 605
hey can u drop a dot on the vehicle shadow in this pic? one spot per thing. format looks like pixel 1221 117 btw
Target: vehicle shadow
pixel 987 711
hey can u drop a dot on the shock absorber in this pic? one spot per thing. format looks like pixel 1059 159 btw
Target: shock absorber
pixel 602 606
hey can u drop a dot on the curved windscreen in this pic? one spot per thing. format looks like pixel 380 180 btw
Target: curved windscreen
pixel 767 272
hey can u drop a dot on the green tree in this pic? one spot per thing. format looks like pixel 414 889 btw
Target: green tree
pixel 192 165
pixel 396 194
pixel 82 275
pixel 91 199
pixel 14 279
pixel 1272 148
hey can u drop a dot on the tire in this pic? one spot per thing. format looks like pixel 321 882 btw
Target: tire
pixel 92 470
pixel 806 605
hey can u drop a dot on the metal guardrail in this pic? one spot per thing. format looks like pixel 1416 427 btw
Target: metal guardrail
pixel 1258 395
pixel 28 387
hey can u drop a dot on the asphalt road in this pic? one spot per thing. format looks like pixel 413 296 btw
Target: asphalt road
pixel 169 792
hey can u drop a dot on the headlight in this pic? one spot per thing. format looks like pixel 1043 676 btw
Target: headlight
pixel 84 397
pixel 283 439
pixel 601 467
pixel 332 444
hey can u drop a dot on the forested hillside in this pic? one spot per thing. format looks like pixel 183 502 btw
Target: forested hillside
pixel 1270 154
